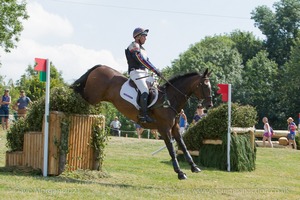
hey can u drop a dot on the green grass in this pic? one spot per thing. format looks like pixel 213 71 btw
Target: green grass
pixel 131 172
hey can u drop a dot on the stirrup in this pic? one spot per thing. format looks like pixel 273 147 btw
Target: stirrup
pixel 145 119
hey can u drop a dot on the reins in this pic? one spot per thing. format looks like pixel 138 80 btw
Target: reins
pixel 162 77
pixel 166 102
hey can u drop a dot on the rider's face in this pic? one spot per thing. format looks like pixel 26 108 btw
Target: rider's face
pixel 142 39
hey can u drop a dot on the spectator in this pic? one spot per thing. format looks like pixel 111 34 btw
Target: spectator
pixel 22 104
pixel 199 114
pixel 139 130
pixel 155 133
pixel 182 122
pixel 267 132
pixel 115 127
pixel 292 127
pixel 5 101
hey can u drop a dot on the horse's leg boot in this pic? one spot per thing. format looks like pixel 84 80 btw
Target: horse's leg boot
pixel 144 117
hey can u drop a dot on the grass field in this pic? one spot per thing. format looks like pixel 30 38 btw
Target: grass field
pixel 131 172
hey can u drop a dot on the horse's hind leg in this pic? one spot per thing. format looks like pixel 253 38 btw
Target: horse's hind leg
pixel 188 157
pixel 175 163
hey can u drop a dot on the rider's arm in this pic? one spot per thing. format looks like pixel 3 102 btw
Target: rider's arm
pixel 138 56
pixel 145 62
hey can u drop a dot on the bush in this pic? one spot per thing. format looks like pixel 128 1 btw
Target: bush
pixel 215 124
pixel 15 135
pixel 61 99
pixel 297 139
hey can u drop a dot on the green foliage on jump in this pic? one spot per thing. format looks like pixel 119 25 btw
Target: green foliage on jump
pixel 99 141
pixel 214 126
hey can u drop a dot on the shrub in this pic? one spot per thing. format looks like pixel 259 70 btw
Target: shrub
pixel 15 135
pixel 215 124
pixel 297 139
pixel 61 99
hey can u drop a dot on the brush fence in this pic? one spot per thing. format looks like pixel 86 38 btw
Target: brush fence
pixel 234 130
pixel 213 152
pixel 80 154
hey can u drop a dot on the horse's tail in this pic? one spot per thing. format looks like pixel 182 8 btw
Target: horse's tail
pixel 79 85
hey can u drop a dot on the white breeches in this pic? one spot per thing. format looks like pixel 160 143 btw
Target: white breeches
pixel 139 77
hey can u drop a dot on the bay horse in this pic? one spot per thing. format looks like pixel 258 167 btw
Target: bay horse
pixel 103 83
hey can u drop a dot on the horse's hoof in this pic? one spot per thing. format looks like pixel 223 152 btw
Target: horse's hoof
pixel 196 169
pixel 182 176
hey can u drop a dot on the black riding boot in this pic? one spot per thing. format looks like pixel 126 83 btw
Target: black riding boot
pixel 144 117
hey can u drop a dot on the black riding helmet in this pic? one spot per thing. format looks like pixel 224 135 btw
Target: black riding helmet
pixel 140 31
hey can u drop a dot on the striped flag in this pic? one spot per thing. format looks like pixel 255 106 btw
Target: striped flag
pixel 41 67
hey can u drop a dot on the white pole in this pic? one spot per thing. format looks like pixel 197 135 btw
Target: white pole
pixel 161 148
pixel 47 100
pixel 229 125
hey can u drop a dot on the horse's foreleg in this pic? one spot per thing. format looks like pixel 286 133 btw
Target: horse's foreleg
pixel 187 155
pixel 175 163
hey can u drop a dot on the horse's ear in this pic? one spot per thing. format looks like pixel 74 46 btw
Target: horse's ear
pixel 206 73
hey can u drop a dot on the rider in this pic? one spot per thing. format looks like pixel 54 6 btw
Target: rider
pixel 138 65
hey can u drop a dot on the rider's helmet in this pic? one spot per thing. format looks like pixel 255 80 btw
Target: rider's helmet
pixel 140 31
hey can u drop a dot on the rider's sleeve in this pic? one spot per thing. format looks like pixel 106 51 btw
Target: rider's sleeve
pixel 135 51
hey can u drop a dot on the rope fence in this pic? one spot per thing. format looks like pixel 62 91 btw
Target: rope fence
pixel 11 117
pixel 126 132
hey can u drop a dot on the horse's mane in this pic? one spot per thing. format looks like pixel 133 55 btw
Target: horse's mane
pixel 79 84
pixel 179 77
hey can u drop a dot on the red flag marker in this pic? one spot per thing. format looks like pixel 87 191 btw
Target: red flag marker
pixel 41 64
pixel 223 91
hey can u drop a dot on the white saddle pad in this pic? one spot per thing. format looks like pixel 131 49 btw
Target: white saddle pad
pixel 129 94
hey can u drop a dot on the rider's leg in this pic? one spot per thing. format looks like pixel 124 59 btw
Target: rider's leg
pixel 139 77
pixel 144 117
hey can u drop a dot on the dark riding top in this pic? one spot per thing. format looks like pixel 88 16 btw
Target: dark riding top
pixel 5 99
pixel 137 58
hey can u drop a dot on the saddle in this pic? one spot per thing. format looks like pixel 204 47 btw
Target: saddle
pixel 130 93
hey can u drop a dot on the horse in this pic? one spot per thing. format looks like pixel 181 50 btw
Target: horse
pixel 103 83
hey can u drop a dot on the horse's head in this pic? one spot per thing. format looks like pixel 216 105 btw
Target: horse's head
pixel 204 91
pixel 192 83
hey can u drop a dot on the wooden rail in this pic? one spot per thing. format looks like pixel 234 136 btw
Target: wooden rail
pixel 278 133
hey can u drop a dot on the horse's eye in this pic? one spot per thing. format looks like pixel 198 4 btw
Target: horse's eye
pixel 206 82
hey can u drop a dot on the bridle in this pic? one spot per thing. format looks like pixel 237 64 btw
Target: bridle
pixel 199 85
pixel 202 89
pixel 166 102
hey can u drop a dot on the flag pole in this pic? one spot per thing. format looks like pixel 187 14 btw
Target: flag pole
pixel 46 119
pixel 229 128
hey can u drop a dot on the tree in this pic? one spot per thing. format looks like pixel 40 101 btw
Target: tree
pixel 216 53
pixel 290 84
pixel 247 44
pixel 12 13
pixel 258 85
pixel 280 28
pixel 219 55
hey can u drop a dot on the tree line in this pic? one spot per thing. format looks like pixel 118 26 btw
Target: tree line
pixel 263 73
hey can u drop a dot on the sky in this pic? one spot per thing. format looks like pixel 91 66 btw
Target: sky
pixel 76 35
